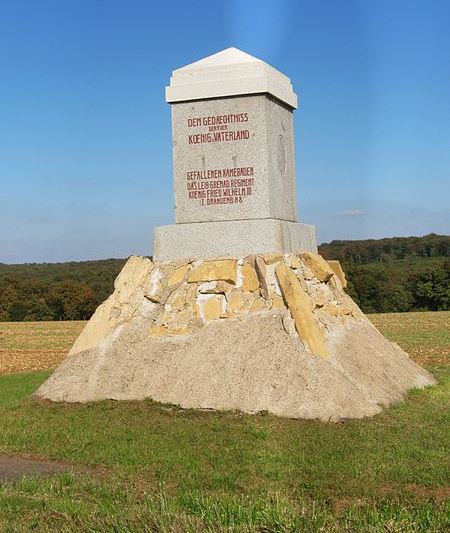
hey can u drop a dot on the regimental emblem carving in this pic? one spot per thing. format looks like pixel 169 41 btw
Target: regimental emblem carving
pixel 281 154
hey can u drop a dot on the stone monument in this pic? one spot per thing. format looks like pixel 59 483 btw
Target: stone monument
pixel 236 310
pixel 233 161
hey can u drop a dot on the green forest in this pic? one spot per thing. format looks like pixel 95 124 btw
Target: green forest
pixel 386 275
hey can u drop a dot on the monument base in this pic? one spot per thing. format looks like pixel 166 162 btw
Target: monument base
pixel 272 333
pixel 232 238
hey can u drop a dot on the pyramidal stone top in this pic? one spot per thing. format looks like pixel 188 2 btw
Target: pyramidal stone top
pixel 230 72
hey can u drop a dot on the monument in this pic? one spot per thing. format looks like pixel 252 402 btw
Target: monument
pixel 236 310
pixel 233 161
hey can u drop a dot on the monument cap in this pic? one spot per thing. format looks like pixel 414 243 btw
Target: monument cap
pixel 230 72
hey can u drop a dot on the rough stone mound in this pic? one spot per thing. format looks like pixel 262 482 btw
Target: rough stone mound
pixel 271 332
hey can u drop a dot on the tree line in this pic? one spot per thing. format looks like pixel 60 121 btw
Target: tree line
pixel 397 274
pixel 55 291
pixel 386 275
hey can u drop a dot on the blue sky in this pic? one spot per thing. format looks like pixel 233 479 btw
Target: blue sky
pixel 85 139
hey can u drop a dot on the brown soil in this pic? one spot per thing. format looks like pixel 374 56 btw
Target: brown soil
pixel 15 467
pixel 30 360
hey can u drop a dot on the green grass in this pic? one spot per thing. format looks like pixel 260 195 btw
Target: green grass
pixel 185 470
pixel 159 468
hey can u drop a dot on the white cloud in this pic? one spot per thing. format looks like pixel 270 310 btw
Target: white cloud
pixel 351 213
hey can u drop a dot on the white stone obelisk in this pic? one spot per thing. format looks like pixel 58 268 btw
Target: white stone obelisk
pixel 233 161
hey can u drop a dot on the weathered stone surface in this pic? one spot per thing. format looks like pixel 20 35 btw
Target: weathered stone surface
pixel 258 305
pixel 165 331
pixel 261 271
pixel 155 291
pixel 249 364
pixel 211 307
pixel 222 287
pixel 293 261
pixel 317 264
pixel 239 302
pixel 308 274
pixel 178 276
pixel 196 347
pixel 348 303
pixel 249 278
pixel 333 310
pixel 289 324
pixel 337 269
pixel 183 316
pixel 221 270
pixel 278 303
pixel 215 287
pixel 318 301
pixel 299 304
pixel 130 288
pixel 177 300
pixel 270 259
pixel 135 273
pixel 227 239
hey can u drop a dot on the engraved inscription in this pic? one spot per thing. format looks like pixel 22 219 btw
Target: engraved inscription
pixel 219 186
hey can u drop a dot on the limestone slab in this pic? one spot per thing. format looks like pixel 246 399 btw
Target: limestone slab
pixel 299 303
pixel 222 270
pixel 337 269
pixel 318 266
pixel 234 238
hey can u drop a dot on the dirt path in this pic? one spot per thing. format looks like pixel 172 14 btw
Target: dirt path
pixel 13 468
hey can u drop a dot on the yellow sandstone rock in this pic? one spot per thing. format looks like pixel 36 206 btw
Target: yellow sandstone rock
pixel 317 264
pixel 133 275
pixel 177 299
pixel 270 259
pixel 239 302
pixel 349 304
pixel 333 310
pixel 337 269
pixel 299 304
pixel 261 272
pixel 293 261
pixel 318 301
pixel 166 316
pixel 338 310
pixel 278 303
pixel 211 308
pixel 249 278
pixel 155 291
pixel 130 287
pixel 224 270
pixel 308 274
pixel 223 287
pixel 257 305
pixel 181 318
pixel 178 276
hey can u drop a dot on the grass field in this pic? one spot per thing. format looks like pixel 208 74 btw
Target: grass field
pixel 43 345
pixel 35 345
pixel 158 468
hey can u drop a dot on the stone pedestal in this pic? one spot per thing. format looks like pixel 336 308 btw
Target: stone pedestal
pixel 233 161
pixel 232 238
